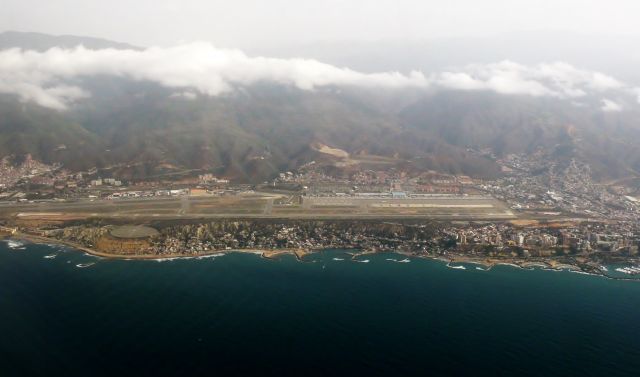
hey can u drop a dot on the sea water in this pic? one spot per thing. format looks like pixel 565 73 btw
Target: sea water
pixel 240 314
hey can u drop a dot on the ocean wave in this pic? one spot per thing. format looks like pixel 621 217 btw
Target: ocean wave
pixel 361 261
pixel 169 259
pixel 85 265
pixel 457 267
pixel 481 269
pixel 200 257
pixel 62 248
pixel 583 273
pixel 338 259
pixel 50 256
pixel 511 265
pixel 254 252
pixel 15 245
pixel 210 256
pixel 405 260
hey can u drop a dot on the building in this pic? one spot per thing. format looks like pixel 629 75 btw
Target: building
pixel 398 195
pixel 198 192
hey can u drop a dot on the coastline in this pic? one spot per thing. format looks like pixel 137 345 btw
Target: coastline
pixel 265 253
pixel 300 254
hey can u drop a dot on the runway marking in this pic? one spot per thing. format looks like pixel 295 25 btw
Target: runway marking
pixel 424 205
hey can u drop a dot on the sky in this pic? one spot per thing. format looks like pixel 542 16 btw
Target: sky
pixel 247 24
pixel 199 47
pixel 49 78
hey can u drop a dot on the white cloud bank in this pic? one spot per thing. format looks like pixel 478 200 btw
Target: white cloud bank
pixel 610 106
pixel 43 77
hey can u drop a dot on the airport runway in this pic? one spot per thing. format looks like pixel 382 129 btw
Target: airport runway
pixel 257 206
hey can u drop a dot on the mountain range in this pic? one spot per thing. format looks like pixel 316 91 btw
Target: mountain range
pixel 143 128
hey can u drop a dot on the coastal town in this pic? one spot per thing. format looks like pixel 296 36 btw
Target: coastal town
pixel 531 184
pixel 536 183
pixel 556 215
pixel 585 246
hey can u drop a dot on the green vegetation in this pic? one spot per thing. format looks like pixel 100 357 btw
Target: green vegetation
pixel 140 130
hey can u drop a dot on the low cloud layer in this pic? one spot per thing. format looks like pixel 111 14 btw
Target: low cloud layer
pixel 560 80
pixel 610 106
pixel 43 77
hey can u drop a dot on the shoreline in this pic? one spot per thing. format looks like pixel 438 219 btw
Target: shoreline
pixel 529 266
pixel 300 254
pixel 265 253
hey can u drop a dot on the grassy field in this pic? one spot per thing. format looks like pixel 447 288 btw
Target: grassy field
pixel 133 231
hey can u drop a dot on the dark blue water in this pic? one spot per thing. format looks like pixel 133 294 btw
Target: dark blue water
pixel 243 315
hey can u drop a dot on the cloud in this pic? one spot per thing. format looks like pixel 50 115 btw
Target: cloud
pixel 610 106
pixel 55 97
pixel 37 76
pixel 185 95
pixel 509 78
pixel 558 79
pixel 200 68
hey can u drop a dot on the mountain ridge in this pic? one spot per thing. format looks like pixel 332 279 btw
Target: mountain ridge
pixel 41 42
pixel 252 133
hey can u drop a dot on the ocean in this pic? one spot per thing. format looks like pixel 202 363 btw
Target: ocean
pixel 64 313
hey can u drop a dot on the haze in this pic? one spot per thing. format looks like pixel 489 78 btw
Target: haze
pixel 268 150
pixel 250 24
